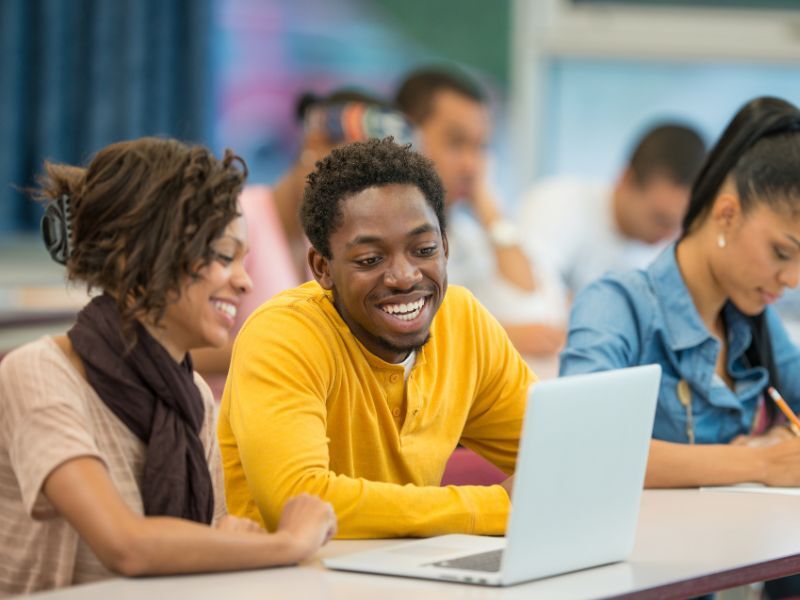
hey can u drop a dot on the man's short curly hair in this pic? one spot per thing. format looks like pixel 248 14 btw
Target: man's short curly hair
pixel 354 168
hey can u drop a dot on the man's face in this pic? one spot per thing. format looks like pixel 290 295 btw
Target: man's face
pixel 653 210
pixel 455 137
pixel 388 269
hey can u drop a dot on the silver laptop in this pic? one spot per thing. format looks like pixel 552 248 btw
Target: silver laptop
pixel 579 478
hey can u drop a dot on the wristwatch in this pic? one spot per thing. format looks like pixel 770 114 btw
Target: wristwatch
pixel 503 233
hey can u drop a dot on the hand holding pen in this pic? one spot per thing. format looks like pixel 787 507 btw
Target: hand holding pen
pixel 793 421
pixel 778 433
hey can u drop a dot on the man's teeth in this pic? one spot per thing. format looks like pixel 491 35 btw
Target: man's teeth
pixel 228 309
pixel 405 312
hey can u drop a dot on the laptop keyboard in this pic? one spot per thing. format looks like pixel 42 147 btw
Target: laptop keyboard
pixel 485 561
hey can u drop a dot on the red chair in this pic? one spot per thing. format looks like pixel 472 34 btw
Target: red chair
pixel 467 468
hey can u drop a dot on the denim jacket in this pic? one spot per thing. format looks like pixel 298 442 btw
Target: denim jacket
pixel 648 316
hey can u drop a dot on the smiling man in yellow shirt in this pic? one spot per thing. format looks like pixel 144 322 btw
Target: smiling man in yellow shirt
pixel 357 387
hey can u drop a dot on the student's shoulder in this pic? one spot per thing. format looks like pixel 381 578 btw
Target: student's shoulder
pixel 563 208
pixel 304 301
pixel 616 292
pixel 633 280
pixel 564 192
pixel 302 318
pixel 38 358
pixel 38 375
pixel 205 391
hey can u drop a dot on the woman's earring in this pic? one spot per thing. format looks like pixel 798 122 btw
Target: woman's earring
pixel 721 240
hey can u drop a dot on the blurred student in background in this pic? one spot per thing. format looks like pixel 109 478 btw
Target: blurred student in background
pixel 278 254
pixel 108 458
pixel 345 115
pixel 580 230
pixel 452 118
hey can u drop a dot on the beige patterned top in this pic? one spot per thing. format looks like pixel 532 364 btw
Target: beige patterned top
pixel 49 414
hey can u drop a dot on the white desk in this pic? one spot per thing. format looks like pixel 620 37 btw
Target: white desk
pixel 688 543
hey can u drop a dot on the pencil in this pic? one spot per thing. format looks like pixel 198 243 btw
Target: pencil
pixel 795 422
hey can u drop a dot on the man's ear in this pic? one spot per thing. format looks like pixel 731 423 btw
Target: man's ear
pixel 445 245
pixel 320 268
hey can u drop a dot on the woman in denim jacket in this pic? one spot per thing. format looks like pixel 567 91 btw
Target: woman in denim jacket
pixel 702 311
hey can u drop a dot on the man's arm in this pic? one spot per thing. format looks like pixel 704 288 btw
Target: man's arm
pixel 495 419
pixel 536 339
pixel 553 227
pixel 512 263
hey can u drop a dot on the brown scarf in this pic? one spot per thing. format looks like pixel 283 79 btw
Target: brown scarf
pixel 156 398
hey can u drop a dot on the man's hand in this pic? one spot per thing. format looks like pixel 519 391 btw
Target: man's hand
pixel 512 263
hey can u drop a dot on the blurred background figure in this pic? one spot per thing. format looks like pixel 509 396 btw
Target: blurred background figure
pixel 582 229
pixel 453 119
pixel 278 248
pixel 569 82
pixel 343 116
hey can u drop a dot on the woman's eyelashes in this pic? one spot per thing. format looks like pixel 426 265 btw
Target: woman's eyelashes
pixel 781 254
pixel 223 258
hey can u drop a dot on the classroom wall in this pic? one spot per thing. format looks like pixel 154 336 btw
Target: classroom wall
pixel 268 53
pixel 596 108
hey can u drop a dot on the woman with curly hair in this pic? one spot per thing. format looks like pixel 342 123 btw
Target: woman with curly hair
pixel 108 458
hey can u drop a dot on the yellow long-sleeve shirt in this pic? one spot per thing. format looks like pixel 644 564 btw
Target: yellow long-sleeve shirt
pixel 308 409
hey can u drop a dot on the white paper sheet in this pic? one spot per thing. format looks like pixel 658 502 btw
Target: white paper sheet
pixel 757 488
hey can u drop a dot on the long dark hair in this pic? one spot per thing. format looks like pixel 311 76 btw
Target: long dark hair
pixel 760 149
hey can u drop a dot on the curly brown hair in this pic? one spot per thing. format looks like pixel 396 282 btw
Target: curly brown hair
pixel 144 214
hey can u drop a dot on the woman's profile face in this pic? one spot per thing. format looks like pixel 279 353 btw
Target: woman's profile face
pixel 205 313
pixel 760 259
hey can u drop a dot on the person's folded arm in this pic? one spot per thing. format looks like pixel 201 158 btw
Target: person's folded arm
pixel 129 544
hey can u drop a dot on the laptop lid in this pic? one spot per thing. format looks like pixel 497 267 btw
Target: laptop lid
pixel 580 472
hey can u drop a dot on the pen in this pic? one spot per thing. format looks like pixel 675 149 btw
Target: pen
pixel 793 420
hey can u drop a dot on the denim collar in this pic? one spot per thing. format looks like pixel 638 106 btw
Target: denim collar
pixel 685 327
